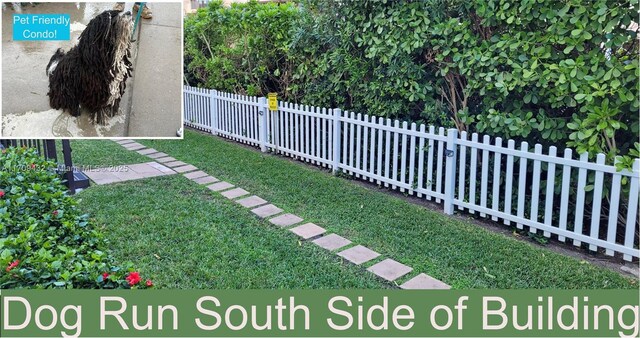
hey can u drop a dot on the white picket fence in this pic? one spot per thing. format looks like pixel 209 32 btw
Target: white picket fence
pixel 452 168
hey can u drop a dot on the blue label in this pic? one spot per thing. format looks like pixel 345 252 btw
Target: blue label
pixel 36 27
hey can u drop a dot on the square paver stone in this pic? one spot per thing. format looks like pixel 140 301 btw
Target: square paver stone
pixel 134 146
pixel 173 164
pixel 219 186
pixel 157 155
pixel 165 159
pixel 145 170
pixel 147 151
pixel 358 254
pixel 332 242
pixel 123 142
pixel 266 210
pixel 162 168
pixel 101 177
pixel 390 269
pixel 185 168
pixel 196 174
pixel 233 193
pixel 424 282
pixel 207 180
pixel 251 201
pixel 286 220
pixel 308 230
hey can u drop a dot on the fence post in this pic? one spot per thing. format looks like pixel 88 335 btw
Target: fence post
pixel 336 139
pixel 263 111
pixel 450 171
pixel 213 108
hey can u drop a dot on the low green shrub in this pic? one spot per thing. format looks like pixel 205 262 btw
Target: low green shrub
pixel 45 241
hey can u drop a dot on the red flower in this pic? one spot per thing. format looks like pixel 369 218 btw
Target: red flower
pixel 13 265
pixel 1 193
pixel 105 275
pixel 33 165
pixel 149 283
pixel 133 278
pixel 55 213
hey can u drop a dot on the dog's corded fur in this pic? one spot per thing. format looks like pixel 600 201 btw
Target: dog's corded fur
pixel 93 74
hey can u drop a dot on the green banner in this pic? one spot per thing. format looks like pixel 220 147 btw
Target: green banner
pixel 318 313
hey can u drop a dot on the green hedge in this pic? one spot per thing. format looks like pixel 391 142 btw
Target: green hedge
pixel 45 241
pixel 546 71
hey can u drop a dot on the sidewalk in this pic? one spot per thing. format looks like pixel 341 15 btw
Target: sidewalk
pixel 151 105
pixel 157 84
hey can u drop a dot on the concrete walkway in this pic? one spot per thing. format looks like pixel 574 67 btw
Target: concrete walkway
pixel 151 105
pixel 156 109
pixel 385 268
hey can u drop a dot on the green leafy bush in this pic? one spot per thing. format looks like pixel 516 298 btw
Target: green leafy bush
pixel 241 49
pixel 45 241
pixel 547 71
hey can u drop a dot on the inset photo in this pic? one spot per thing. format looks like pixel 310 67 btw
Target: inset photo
pixel 91 69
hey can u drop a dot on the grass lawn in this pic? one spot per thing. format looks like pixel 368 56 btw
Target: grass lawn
pixel 183 236
pixel 452 250
pixel 103 153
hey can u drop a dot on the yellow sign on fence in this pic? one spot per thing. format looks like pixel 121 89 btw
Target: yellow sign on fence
pixel 273 101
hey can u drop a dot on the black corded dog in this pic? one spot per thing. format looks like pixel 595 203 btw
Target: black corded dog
pixel 93 74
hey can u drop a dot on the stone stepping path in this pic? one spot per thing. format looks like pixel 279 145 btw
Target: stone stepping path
pixel 387 269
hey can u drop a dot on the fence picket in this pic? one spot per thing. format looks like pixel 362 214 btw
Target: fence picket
pixel 548 204
pixel 613 209
pixel 440 159
pixel 430 155
pixel 522 180
pixel 472 174
pixel 403 156
pixel 484 180
pixel 508 190
pixel 372 152
pixel 346 132
pixel 632 209
pixel 462 170
pixel 365 146
pixel 326 135
pixel 535 188
pixel 598 186
pixel 421 152
pixel 315 130
pixel 496 178
pixel 380 137
pixel 412 158
pixel 582 183
pixel 358 142
pixel 387 154
pixel 396 143
pixel 564 195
